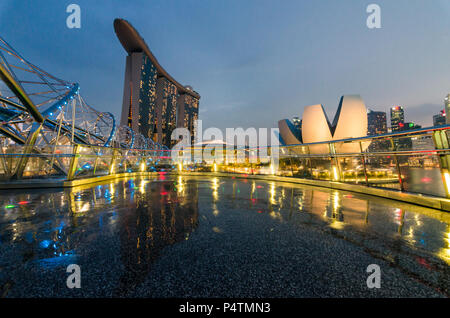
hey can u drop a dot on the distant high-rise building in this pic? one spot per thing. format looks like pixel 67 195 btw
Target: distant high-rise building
pixel 166 105
pixel 439 119
pixel 447 108
pixel 297 122
pixel 187 112
pixel 152 99
pixel 139 104
pixel 397 118
pixel 376 123
pixel 405 142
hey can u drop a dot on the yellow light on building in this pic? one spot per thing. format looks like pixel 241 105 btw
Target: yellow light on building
pixel 215 167
pixel 112 169
pixel 142 166
pixel 180 166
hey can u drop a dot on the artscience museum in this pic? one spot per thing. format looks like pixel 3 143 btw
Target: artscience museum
pixel 350 121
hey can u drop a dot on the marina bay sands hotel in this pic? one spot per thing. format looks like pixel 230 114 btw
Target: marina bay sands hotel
pixel 154 103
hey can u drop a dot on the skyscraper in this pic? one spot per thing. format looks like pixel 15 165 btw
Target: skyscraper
pixel 405 142
pixel 447 108
pixel 166 105
pixel 397 118
pixel 152 99
pixel 297 122
pixel 139 104
pixel 187 107
pixel 376 123
pixel 439 119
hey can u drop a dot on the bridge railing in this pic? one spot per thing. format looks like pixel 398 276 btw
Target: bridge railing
pixel 413 161
pixel 78 161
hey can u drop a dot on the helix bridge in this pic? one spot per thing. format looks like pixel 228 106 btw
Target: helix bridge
pixel 44 117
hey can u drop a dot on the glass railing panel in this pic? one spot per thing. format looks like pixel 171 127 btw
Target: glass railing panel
pixel 85 167
pixel 351 169
pixel 12 154
pixel 353 147
pixel 43 166
pixel 133 162
pixel 243 168
pixel 4 172
pixel 378 145
pixel 422 142
pixel 323 168
pixel 285 167
pixel 120 164
pixel 63 155
pixel 381 169
pixel 421 173
pixel 202 167
pixel 103 161
pixel 294 150
pixel 301 167
pixel 414 142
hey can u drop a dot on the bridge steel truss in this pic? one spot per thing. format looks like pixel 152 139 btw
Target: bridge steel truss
pixel 45 118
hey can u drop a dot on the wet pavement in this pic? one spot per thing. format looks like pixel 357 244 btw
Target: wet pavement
pixel 218 237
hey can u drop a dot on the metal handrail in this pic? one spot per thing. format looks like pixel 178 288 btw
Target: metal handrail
pixel 381 136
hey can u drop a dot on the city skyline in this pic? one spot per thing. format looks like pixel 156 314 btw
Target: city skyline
pixel 242 65
pixel 377 123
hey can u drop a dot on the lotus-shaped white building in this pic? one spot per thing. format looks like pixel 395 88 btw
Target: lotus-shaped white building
pixel 350 121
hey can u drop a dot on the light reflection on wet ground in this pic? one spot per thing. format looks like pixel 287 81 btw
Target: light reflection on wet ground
pixel 169 236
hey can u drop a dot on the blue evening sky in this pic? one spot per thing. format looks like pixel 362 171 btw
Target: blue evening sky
pixel 252 61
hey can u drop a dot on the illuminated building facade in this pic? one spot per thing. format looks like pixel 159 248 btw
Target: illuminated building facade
pixel 447 108
pixel 397 118
pixel 297 123
pixel 376 123
pixel 187 112
pixel 139 108
pixel 405 143
pixel 439 119
pixel 154 103
pixel 166 102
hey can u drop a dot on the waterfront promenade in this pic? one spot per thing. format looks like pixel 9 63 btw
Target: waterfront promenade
pixel 180 236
